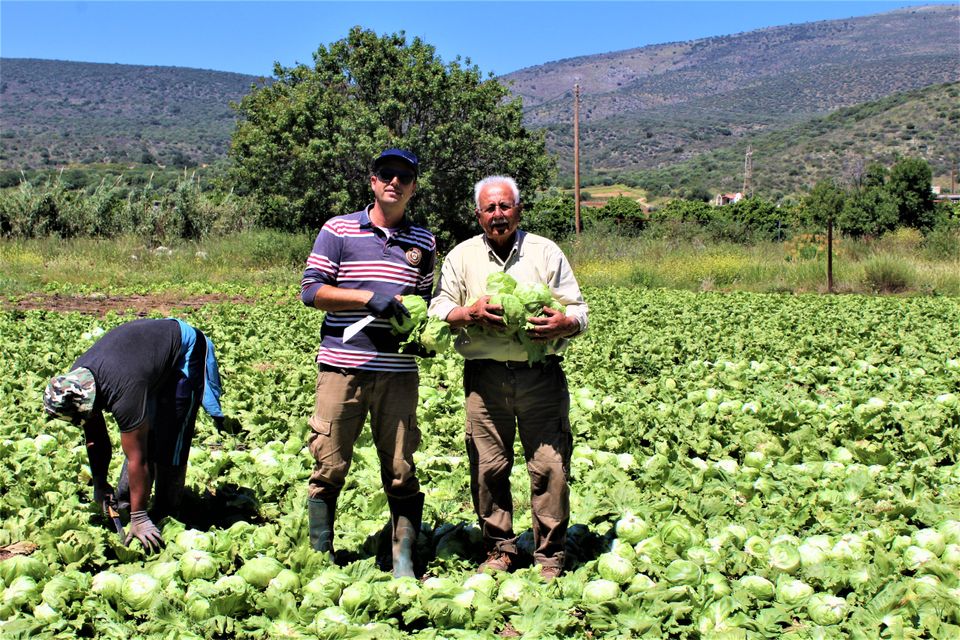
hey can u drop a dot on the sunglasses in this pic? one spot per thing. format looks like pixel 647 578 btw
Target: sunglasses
pixel 386 175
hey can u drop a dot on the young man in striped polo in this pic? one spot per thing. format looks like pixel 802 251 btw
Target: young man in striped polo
pixel 360 266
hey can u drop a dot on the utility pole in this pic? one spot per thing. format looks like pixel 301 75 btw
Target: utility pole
pixel 830 255
pixel 747 171
pixel 576 157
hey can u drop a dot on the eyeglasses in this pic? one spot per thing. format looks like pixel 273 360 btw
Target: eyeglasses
pixel 386 175
pixel 503 206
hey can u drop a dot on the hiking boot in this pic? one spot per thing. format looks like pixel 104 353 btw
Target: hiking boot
pixel 496 561
pixel 549 572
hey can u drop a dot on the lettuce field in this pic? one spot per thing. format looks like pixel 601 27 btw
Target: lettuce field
pixel 746 466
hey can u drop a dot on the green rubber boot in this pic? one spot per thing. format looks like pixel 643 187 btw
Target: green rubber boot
pixel 406 515
pixel 320 515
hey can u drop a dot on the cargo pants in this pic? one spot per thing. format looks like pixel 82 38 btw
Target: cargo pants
pixel 344 399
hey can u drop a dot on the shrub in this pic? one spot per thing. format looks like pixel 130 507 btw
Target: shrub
pixel 942 243
pixel 888 275
pixel 759 218
pixel 684 211
pixel 624 211
pixel 195 222
pixel 551 216
pixel 902 240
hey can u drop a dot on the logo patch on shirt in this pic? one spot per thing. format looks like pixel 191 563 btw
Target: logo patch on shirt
pixel 414 255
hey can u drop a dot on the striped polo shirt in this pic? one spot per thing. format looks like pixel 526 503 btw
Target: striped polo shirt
pixel 351 253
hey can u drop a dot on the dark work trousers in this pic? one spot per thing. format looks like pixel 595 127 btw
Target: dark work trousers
pixel 172 417
pixel 503 399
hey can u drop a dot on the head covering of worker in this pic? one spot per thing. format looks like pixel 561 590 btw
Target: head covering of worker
pixel 70 396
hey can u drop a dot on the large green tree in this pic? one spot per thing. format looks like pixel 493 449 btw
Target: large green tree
pixel 869 211
pixel 305 140
pixel 909 184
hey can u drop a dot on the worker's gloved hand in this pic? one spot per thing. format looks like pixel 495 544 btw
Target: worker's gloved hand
pixel 384 306
pixel 104 495
pixel 226 425
pixel 143 529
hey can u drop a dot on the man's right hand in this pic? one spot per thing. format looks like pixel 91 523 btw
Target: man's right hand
pixel 386 307
pixel 143 529
pixel 485 314
pixel 104 495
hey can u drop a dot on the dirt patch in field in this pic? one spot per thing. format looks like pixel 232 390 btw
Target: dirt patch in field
pixel 140 305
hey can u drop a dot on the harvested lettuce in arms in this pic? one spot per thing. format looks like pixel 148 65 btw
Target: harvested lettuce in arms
pixel 417 307
pixel 534 297
pixel 536 351
pixel 520 302
pixel 431 333
pixel 500 287
pixel 436 337
pixel 514 315
pixel 500 282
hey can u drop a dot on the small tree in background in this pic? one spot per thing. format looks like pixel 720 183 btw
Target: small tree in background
pixel 622 211
pixel 909 184
pixel 824 205
pixel 550 216
pixel 305 141
pixel 870 211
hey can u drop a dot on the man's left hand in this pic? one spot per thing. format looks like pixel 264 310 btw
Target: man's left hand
pixel 143 529
pixel 227 425
pixel 551 326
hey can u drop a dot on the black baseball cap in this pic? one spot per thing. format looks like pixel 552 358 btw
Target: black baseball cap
pixel 400 154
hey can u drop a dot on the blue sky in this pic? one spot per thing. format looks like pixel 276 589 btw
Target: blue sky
pixel 499 37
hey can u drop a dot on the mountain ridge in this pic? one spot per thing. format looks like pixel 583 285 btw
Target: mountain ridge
pixel 643 110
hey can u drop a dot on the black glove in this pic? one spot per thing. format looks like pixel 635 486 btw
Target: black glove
pixel 226 425
pixel 384 306
pixel 417 349
pixel 105 497
pixel 102 491
pixel 143 529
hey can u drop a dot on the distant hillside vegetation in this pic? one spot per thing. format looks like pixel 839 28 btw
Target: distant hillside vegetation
pixel 810 99
pixel 924 123
pixel 54 112
pixel 661 105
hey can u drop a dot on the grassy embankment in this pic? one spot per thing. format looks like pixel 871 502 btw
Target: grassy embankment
pixel 897 263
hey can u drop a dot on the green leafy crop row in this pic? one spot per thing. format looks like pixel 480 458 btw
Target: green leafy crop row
pixel 745 466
